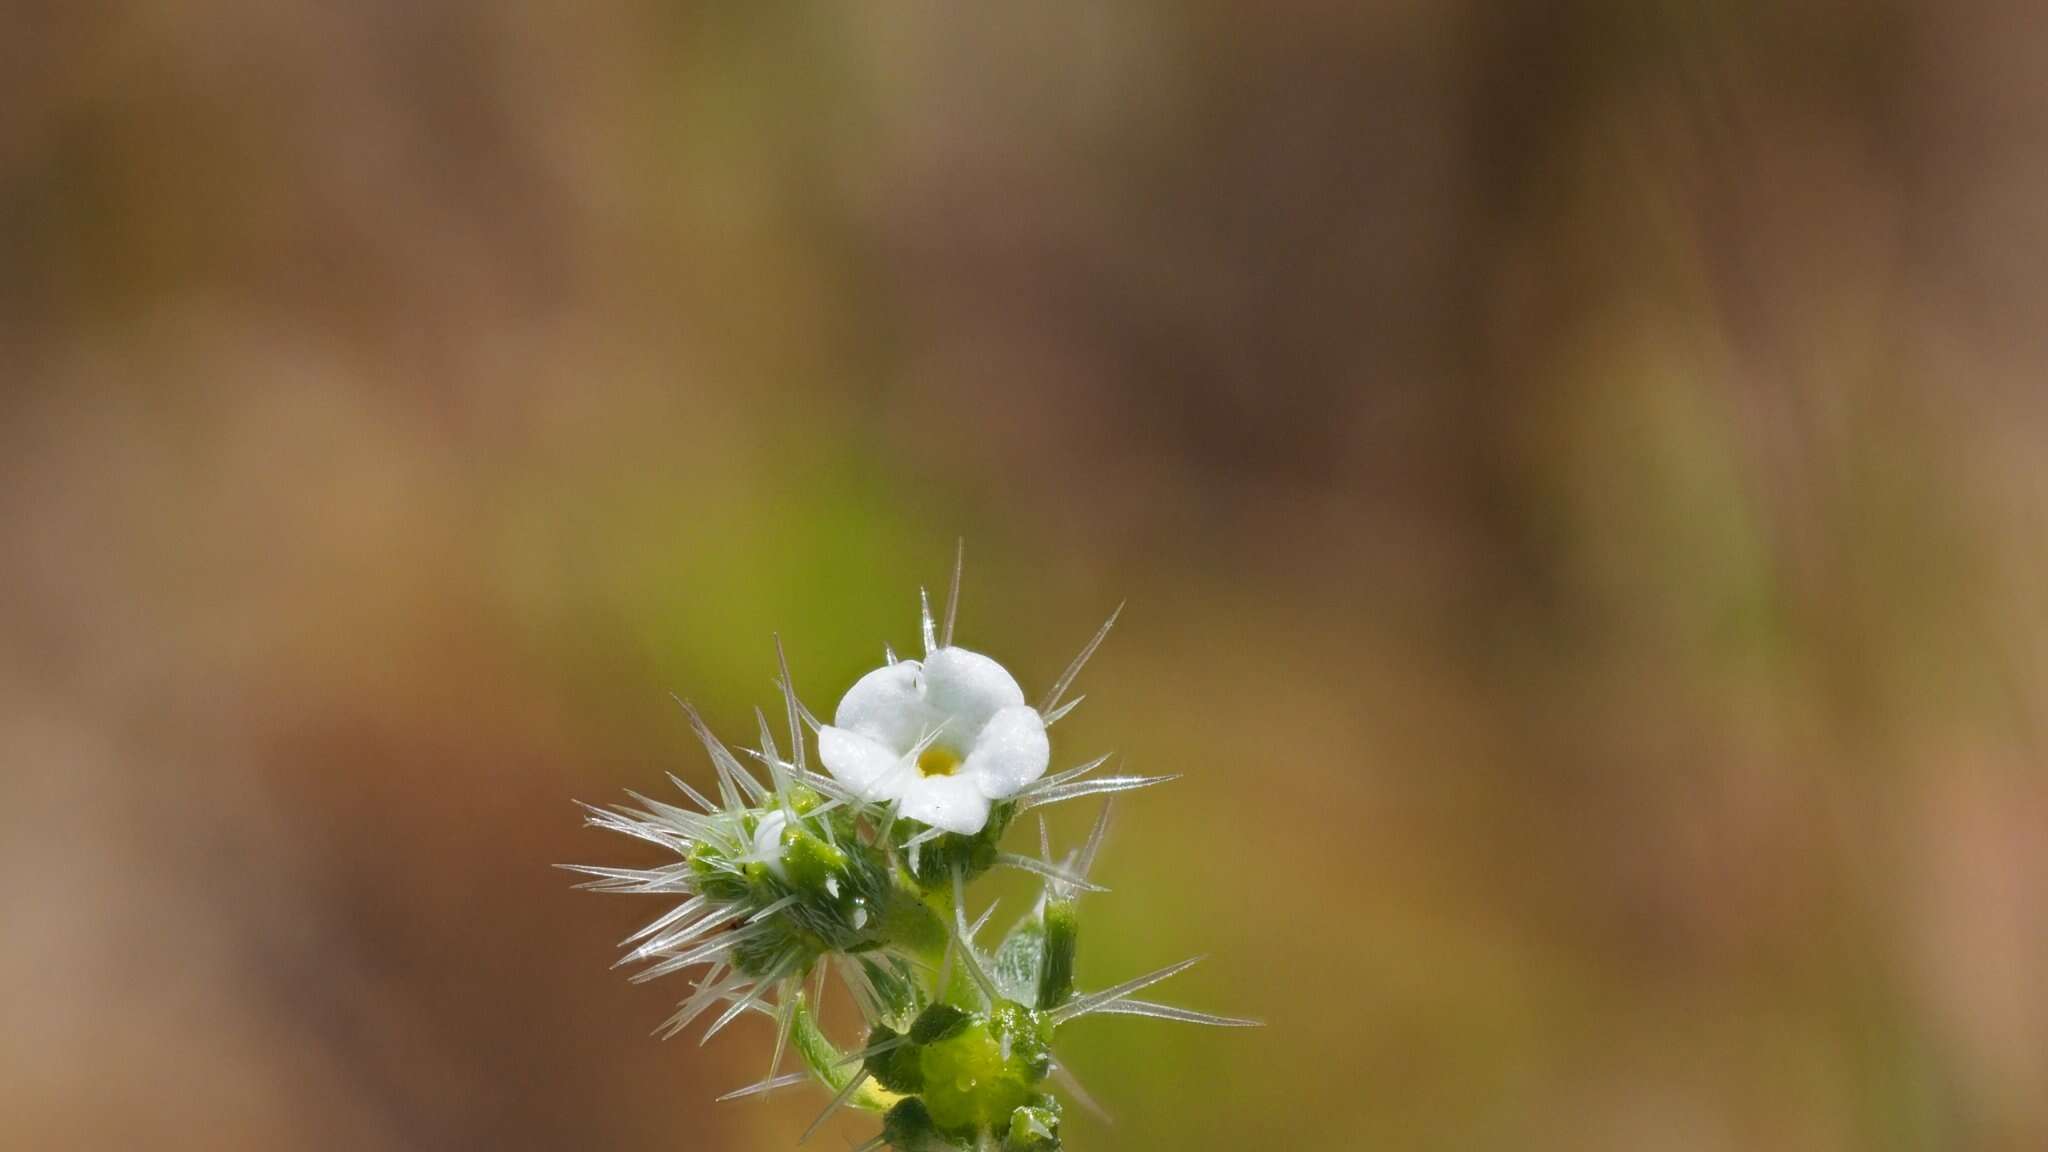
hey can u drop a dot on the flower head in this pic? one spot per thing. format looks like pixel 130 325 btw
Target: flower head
pixel 942 739
pixel 776 885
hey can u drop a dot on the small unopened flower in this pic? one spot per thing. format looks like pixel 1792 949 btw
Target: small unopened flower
pixel 768 842
pixel 942 740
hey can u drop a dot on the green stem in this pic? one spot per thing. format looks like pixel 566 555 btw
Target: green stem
pixel 830 1065
pixel 914 922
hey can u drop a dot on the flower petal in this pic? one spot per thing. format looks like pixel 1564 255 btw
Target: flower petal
pixel 768 841
pixel 966 688
pixel 873 771
pixel 1011 751
pixel 952 803
pixel 888 706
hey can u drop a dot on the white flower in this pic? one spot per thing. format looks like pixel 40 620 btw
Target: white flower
pixel 941 740
pixel 768 841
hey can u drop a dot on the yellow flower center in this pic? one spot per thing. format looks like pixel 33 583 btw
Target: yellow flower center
pixel 937 761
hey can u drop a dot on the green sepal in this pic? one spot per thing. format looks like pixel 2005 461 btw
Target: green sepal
pixel 1018 960
pixel 758 955
pixel 1034 1127
pixel 938 1022
pixel 970 856
pixel 715 876
pixel 809 861
pixel 1025 1036
pixel 901 999
pixel 802 798
pixel 909 1127
pixel 1056 970
pixel 897 1069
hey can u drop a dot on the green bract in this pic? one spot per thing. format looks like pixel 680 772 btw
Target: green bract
pixel 864 871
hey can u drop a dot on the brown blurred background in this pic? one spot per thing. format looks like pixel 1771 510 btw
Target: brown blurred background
pixel 1577 470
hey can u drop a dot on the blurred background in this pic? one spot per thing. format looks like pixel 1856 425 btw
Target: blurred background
pixel 1576 469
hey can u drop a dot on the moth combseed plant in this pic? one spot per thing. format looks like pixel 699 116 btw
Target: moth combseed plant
pixel 863 868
